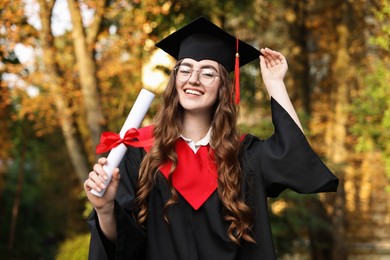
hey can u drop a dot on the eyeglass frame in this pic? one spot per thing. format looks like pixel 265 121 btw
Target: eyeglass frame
pixel 191 72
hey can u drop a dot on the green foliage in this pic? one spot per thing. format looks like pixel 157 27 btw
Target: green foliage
pixel 371 107
pixel 262 129
pixel 371 110
pixel 49 208
pixel 75 248
pixel 299 223
pixel 383 39
pixel 33 232
pixel 250 84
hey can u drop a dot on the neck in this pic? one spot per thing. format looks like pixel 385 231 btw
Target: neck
pixel 196 126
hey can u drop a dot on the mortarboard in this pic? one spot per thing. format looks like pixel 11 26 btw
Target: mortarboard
pixel 201 39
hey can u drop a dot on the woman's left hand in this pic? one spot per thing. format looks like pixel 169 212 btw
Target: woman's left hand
pixel 273 65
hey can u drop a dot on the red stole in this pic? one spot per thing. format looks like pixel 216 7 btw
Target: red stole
pixel 195 176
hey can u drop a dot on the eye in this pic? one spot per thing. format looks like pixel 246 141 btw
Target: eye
pixel 208 73
pixel 185 70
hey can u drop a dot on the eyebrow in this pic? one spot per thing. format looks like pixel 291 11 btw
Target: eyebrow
pixel 202 67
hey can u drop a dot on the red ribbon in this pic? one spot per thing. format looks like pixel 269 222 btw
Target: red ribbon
pixel 109 140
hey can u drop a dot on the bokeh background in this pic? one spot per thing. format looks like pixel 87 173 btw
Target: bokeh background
pixel 70 69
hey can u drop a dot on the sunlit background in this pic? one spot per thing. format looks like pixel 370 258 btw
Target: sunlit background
pixel 71 69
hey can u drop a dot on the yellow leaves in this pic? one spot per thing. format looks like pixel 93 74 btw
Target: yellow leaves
pixel 290 15
pixel 5 141
pixel 165 8
pixel 11 9
pixel 278 206
pixel 40 111
pixel 147 28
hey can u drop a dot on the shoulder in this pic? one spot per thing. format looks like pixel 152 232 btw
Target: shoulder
pixel 250 146
pixel 248 139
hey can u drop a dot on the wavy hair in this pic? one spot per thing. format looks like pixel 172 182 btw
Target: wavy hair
pixel 168 124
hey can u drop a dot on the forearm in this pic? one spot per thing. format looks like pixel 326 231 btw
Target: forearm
pixel 278 91
pixel 107 222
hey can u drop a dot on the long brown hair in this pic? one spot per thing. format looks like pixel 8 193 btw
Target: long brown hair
pixel 226 143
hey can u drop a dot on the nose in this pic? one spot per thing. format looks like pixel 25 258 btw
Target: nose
pixel 194 78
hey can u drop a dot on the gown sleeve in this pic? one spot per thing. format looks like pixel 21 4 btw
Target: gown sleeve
pixel 130 236
pixel 286 159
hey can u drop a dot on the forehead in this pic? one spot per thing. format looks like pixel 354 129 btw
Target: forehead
pixel 201 63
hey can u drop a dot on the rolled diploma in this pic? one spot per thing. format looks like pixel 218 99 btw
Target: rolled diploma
pixel 134 120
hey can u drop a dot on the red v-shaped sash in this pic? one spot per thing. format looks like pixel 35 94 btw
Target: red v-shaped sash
pixel 195 176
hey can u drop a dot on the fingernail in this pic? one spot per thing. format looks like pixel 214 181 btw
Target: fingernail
pixel 102 185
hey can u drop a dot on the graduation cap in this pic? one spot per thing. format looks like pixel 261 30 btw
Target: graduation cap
pixel 201 39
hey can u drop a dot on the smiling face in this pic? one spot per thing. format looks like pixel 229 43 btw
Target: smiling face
pixel 197 94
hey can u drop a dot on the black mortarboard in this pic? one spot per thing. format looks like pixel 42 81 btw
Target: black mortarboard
pixel 201 39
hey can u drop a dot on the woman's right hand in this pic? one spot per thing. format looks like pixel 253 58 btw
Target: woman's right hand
pixel 95 181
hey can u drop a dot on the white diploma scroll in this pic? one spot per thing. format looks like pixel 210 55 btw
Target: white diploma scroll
pixel 134 120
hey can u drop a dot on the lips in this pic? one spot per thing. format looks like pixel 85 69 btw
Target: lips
pixel 193 92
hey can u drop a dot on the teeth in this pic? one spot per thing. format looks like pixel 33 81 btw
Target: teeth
pixel 192 91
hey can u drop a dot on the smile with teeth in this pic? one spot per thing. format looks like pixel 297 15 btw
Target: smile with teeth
pixel 193 92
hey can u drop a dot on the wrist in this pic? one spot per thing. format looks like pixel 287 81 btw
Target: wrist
pixel 273 82
pixel 107 209
pixel 273 86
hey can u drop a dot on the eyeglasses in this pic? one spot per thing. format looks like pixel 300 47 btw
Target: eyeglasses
pixel 206 76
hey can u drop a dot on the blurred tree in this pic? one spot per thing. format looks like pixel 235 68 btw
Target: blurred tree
pixel 88 83
pixel 84 41
pixel 339 52
pixel 5 126
pixel 85 80
pixel 371 106
pixel 40 208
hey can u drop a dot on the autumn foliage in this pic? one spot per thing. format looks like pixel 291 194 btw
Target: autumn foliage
pixel 59 89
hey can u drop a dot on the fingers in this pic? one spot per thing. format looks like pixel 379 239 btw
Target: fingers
pixel 98 180
pixel 91 185
pixel 96 177
pixel 271 58
pixel 95 180
pixel 115 178
pixel 99 170
pixel 102 160
pixel 115 175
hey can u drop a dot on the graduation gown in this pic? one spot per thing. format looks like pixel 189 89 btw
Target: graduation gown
pixel 285 160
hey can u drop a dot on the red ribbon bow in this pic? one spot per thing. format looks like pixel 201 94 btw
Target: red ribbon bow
pixel 109 140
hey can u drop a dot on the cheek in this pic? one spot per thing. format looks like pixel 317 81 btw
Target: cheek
pixel 216 92
pixel 179 85
pixel 179 91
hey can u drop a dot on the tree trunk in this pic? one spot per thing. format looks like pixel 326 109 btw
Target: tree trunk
pixel 87 69
pixel 337 133
pixel 73 144
pixel 18 192
pixel 298 33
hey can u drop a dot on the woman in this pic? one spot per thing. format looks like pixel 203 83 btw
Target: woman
pixel 200 191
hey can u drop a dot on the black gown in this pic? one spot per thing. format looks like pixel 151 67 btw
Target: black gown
pixel 285 160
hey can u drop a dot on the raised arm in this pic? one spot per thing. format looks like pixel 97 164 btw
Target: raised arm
pixel 273 69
